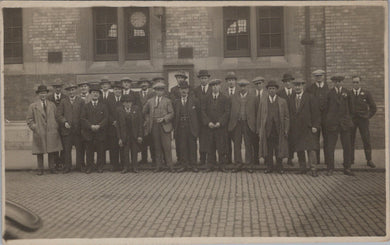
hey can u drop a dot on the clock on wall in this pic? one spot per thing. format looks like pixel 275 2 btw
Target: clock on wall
pixel 138 19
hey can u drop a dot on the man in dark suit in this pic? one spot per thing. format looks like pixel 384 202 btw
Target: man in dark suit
pixel 339 122
pixel 364 108
pixel 68 113
pixel 229 91
pixel 260 93
pixel 158 112
pixel 242 124
pixel 186 125
pixel 56 97
pixel 215 114
pixel 201 92
pixel 145 94
pixel 127 84
pixel 175 91
pixel 286 92
pixel 129 132
pixel 105 85
pixel 159 79
pixel 304 124
pixel 94 119
pixel 113 102
pixel 320 91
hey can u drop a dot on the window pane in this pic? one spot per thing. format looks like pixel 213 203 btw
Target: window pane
pixel 276 41
pixel 101 47
pixel 17 35
pixel 111 16
pixel 112 47
pixel 8 35
pixel 275 25
pixel 232 27
pixel 242 28
pixel 264 12
pixel 100 17
pixel 264 26
pixel 8 50
pixel 243 42
pixel 17 50
pixel 276 11
pixel 137 25
pixel 113 31
pixel 138 45
pixel 264 41
pixel 101 32
pixel 139 33
pixel 231 43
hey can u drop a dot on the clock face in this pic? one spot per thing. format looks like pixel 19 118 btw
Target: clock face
pixel 138 19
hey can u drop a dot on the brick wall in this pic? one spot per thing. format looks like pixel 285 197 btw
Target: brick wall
pixel 187 27
pixel 54 30
pixel 355 45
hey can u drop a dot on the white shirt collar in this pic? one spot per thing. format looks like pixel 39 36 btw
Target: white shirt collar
pixel 300 94
pixel 205 87
pixel 357 90
pixel 288 91
pixel 232 89
pixel 243 95
pixel 272 99
pixel 320 84
pixel 215 95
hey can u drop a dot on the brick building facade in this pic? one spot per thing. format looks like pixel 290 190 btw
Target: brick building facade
pixel 146 42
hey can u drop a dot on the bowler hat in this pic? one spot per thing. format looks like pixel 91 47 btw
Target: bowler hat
pixel 128 98
pixel 203 73
pixel 287 77
pixel 183 85
pixel 258 79
pixel 181 74
pixel 70 85
pixel 94 87
pixel 337 78
pixel 231 75
pixel 41 88
pixel 318 72
pixel 272 83
pixel 159 85
pixel 117 84
pixel 215 82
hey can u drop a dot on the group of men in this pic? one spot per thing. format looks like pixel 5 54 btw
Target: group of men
pixel 112 116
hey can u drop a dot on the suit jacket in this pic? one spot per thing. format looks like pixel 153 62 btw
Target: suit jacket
pixel 91 115
pixel 134 129
pixel 51 97
pixel 363 104
pixel 225 91
pixel 320 94
pixel 216 111
pixel 112 106
pixel 175 93
pixel 86 99
pixel 149 94
pixel 44 126
pixel 192 106
pixel 284 117
pixel 250 109
pixel 105 100
pixel 71 113
pixel 137 97
pixel 199 93
pixel 149 112
pixel 338 110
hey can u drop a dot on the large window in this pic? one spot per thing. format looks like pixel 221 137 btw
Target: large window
pixel 137 33
pixel 105 33
pixel 13 36
pixel 270 31
pixel 236 31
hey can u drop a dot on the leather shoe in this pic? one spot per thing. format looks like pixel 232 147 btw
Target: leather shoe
pixel 267 171
pixel 40 172
pixel 124 171
pixel 235 170
pixel 100 171
pixel 172 170
pixel 281 171
pixel 157 170
pixel 349 172
pixel 180 170
pixel 135 170
pixel 195 170
pixel 53 171
pixel 314 173
pixel 224 170
pixel 88 171
pixel 330 172
pixel 371 164
pixel 65 171
pixel 208 170
pixel 249 171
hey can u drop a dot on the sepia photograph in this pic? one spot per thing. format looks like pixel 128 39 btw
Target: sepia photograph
pixel 196 122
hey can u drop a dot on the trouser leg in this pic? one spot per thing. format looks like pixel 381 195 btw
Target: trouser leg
pixel 101 155
pixel 134 154
pixel 89 149
pixel 302 160
pixel 166 146
pixel 51 159
pixel 345 137
pixel 364 129
pixel 67 152
pixel 124 155
pixel 40 161
pixel 353 138
pixel 157 144
pixel 311 156
pixel 237 142
pixel 332 140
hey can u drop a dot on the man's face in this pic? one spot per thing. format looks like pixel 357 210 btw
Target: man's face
pixel 337 84
pixel 84 88
pixel 204 80
pixel 243 89
pixel 287 84
pixel 272 91
pixel 231 82
pixel 216 88
pixel 184 92
pixel 356 82
pixel 144 86
pixel 127 104
pixel 72 92
pixel 126 84
pixel 42 95
pixel 105 86
pixel 298 87
pixel 57 89
pixel 180 79
pixel 95 95
pixel 117 91
pixel 159 92
pixel 319 78
pixel 260 84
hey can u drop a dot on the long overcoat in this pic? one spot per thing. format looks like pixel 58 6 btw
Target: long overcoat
pixel 46 137
pixel 283 130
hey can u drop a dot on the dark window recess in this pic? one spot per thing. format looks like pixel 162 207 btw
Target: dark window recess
pixel 105 33
pixel 137 33
pixel 13 36
pixel 186 53
pixel 270 31
pixel 54 57
pixel 236 31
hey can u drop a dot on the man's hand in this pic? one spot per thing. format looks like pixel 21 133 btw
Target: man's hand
pixel 285 134
pixel 160 120
pixel 139 139
pixel 120 142
pixel 67 125
pixel 217 125
pixel 211 125
pixel 114 123
pixel 314 130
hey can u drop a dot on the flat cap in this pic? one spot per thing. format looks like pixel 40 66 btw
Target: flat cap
pixel 215 82
pixel 243 82
pixel 183 85
pixel 203 73
pixel 117 84
pixel 70 85
pixel 159 85
pixel 79 83
pixel 94 87
pixel 337 78
pixel 181 74
pixel 231 75
pixel 298 82
pixel 158 78
pixel 105 80
pixel 144 80
pixel 57 82
pixel 318 72
pixel 124 79
pixel 258 79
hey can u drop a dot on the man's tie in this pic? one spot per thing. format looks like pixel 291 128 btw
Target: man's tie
pixel 183 101
pixel 44 106
pixel 356 92
pixel 298 101
pixel 203 90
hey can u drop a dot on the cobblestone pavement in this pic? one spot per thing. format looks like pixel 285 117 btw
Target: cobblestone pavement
pixel 212 204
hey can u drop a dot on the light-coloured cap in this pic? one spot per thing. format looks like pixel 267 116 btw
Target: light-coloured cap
pixel 318 72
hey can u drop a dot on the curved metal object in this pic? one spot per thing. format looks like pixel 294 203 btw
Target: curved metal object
pixel 22 217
